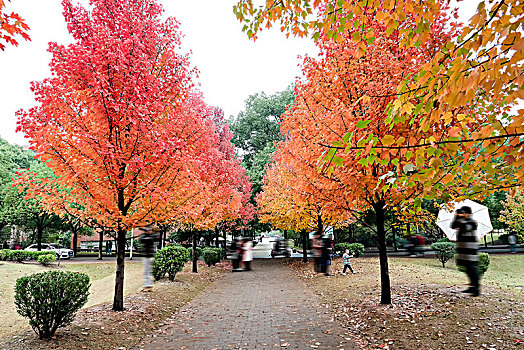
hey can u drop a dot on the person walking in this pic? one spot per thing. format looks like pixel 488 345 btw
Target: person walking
pixel 512 240
pixel 325 260
pixel 347 262
pixel 109 247
pixel 148 240
pixel 247 253
pixel 236 247
pixel 467 246
pixel 317 246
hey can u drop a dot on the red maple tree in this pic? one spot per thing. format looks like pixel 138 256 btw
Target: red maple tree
pixel 117 121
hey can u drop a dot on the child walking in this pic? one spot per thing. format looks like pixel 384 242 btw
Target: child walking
pixel 347 262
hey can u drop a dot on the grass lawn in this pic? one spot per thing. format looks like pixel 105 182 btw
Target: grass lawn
pixel 96 326
pixel 102 276
pixel 428 310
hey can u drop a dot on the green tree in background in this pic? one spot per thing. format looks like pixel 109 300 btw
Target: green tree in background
pixel 258 126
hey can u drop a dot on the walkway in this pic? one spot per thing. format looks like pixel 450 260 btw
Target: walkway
pixel 266 308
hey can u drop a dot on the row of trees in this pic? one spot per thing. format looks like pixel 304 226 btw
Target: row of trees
pixel 127 137
pixel 392 112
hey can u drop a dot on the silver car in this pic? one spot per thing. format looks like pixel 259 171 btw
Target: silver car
pixel 60 251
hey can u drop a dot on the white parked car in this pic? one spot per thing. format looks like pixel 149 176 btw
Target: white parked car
pixel 60 251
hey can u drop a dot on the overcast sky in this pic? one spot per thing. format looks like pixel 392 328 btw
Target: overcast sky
pixel 231 66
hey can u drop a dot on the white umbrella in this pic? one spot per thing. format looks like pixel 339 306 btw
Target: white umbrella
pixel 480 215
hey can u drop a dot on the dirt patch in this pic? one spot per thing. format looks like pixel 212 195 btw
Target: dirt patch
pixel 98 327
pixel 428 310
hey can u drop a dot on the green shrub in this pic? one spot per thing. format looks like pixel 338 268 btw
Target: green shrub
pixel 4 254
pixel 355 249
pixel 482 266
pixel 212 255
pixel 445 251
pixel 444 239
pixel 46 259
pixel 51 299
pixel 170 260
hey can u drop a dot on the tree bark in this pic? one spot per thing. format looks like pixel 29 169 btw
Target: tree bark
pixel 285 234
pixel 100 244
pixel 195 257
pixel 304 246
pixel 217 236
pixel 118 301
pixel 380 215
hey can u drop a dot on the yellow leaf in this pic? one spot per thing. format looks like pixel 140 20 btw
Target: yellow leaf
pixel 388 140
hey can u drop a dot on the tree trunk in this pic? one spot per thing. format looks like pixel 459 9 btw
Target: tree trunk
pixel 75 242
pixel 39 234
pixel 100 244
pixel 285 234
pixel 118 301
pixel 380 215
pixel 217 236
pixel 320 227
pixel 304 246
pixel 195 258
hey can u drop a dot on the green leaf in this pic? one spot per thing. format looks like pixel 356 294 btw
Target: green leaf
pixel 363 123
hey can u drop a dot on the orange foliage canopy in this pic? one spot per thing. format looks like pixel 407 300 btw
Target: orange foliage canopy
pixel 479 69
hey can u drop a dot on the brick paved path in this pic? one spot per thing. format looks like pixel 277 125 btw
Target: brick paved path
pixel 266 308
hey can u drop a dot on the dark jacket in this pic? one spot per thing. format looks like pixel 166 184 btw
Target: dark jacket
pixel 467 244
pixel 148 243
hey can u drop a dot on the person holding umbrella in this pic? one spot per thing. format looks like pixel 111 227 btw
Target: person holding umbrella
pixel 467 246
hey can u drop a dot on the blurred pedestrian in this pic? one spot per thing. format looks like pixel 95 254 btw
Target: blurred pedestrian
pixel 235 258
pixel 325 259
pixel 148 239
pixel 467 246
pixel 109 247
pixel 512 240
pixel 317 246
pixel 247 253
pixel 347 262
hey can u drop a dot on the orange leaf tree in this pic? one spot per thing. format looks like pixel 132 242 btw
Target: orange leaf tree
pixel 293 199
pixel 117 121
pixel 221 189
pixel 480 67
pixel 343 101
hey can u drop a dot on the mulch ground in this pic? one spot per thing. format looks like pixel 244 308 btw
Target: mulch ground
pixel 99 327
pixel 423 315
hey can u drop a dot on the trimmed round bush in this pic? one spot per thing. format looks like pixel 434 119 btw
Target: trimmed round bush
pixel 46 259
pixel 212 255
pixel 355 249
pixel 445 251
pixel 170 260
pixel 51 299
